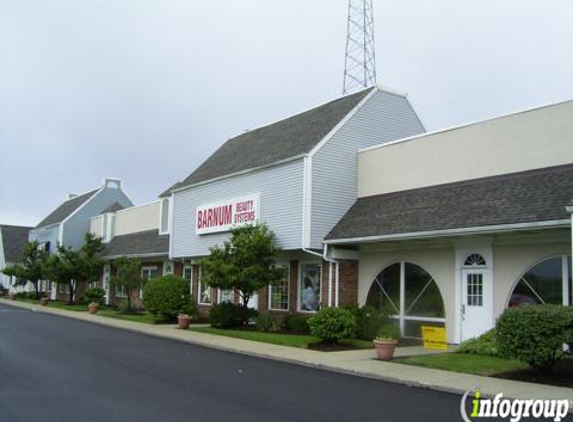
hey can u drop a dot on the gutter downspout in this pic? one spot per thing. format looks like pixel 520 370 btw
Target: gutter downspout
pixel 569 209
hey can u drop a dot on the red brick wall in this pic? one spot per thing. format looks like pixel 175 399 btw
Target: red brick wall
pixel 348 282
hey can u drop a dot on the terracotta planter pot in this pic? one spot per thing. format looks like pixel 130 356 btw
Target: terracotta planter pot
pixel 385 349
pixel 92 308
pixel 44 301
pixel 183 321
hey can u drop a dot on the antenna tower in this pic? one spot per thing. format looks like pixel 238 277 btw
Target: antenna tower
pixel 359 62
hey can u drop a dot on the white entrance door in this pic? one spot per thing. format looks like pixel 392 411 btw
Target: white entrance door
pixel 476 303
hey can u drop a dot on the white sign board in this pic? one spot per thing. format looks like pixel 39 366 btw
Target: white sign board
pixel 223 216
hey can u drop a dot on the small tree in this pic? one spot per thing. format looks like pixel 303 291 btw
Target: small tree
pixel 73 267
pixel 128 277
pixel 244 263
pixel 32 267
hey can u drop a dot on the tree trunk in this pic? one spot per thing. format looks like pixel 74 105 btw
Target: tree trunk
pixel 72 293
pixel 36 285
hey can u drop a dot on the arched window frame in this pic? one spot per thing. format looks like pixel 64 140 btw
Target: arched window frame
pixel 565 280
pixel 401 315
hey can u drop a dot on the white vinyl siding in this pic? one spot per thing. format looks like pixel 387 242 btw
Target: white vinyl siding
pixel 384 118
pixel 280 190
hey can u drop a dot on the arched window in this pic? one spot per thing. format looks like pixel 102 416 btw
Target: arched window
pixel 410 295
pixel 547 282
pixel 475 260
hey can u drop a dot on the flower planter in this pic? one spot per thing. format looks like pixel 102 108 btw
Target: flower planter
pixel 93 307
pixel 183 321
pixel 44 301
pixel 385 349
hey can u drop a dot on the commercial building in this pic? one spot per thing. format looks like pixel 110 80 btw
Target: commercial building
pixel 13 239
pixel 70 221
pixel 299 175
pixel 452 227
pixel 140 232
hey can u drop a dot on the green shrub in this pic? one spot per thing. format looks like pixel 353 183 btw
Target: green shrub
pixel 230 315
pixel 96 295
pixel 535 334
pixel 190 308
pixel 166 296
pixel 369 320
pixel 485 345
pixel 389 332
pixel 333 324
pixel 298 324
pixel 124 308
pixel 266 321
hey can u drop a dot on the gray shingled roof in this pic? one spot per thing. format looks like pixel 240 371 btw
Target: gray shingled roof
pixel 137 244
pixel 116 206
pixel 526 197
pixel 14 238
pixel 287 138
pixel 65 209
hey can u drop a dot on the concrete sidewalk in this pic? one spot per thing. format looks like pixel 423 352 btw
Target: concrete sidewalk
pixel 356 362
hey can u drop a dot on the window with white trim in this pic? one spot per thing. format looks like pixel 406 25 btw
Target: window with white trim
pixel 226 296
pixel 547 282
pixel 279 292
pixel 410 295
pixel 188 276
pixel 120 291
pixel 309 287
pixel 149 272
pixel 164 223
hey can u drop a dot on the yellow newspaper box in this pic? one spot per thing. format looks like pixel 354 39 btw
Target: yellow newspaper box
pixel 434 338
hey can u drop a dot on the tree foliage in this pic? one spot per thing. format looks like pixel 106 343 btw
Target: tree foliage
pixel 128 277
pixel 244 263
pixel 76 267
pixel 32 268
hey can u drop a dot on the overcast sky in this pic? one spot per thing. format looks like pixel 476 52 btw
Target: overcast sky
pixel 145 90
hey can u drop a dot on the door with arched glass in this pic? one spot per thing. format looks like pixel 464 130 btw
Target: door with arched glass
pixel 410 295
pixel 476 300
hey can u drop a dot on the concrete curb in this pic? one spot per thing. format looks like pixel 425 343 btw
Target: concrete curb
pixel 458 383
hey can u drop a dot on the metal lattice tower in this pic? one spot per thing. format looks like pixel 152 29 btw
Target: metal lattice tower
pixel 359 62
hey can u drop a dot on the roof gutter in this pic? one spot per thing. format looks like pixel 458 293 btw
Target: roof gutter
pixel 501 228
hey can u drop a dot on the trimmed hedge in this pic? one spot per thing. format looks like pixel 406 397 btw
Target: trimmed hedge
pixel 333 324
pixel 485 345
pixel 230 315
pixel 298 324
pixel 167 296
pixel 535 334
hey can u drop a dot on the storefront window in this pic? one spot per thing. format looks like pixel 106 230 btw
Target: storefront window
pixel 188 276
pixel 546 282
pixel 410 295
pixel 310 281
pixel 278 294
pixel 148 273
pixel 204 292
pixel 226 296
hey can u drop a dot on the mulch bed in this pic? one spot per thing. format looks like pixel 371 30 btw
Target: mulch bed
pixel 561 376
